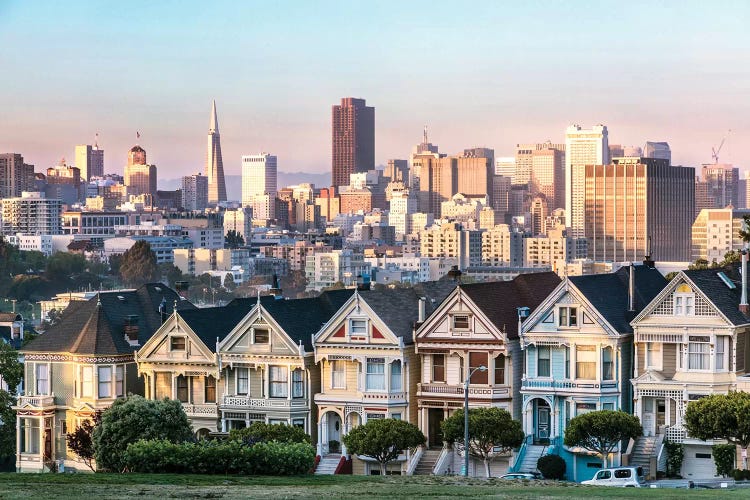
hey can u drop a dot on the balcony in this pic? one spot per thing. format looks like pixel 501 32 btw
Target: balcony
pixel 549 384
pixel 36 401
pixel 475 392
pixel 250 403
pixel 203 410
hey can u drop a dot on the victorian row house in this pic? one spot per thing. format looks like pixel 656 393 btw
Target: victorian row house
pixel 80 365
pixel 578 350
pixel 477 325
pixel 691 341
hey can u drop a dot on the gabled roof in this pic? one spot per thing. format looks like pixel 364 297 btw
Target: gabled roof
pixel 500 300
pixel 96 326
pixel 726 300
pixel 608 293
pixel 211 323
pixel 299 318
pixel 10 317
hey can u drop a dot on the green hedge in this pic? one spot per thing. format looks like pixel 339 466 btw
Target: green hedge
pixel 263 432
pixel 220 457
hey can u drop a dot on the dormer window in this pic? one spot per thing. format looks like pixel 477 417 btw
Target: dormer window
pixel 461 322
pixel 358 327
pixel 261 336
pixel 684 301
pixel 568 317
pixel 177 343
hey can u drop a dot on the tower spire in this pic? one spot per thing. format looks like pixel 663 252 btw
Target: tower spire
pixel 213 127
pixel 425 135
pixel 217 190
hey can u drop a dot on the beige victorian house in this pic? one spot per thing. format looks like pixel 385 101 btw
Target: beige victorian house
pixel 268 371
pixel 80 366
pixel 368 370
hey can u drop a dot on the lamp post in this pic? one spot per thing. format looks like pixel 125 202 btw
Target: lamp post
pixel 481 368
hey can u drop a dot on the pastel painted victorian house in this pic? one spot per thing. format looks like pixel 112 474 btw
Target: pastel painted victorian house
pixel 368 369
pixel 180 361
pixel 267 362
pixel 476 325
pixel 80 365
pixel 578 347
pixel 691 341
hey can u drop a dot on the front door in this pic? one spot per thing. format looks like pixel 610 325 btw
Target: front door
pixel 334 433
pixel 661 414
pixel 435 431
pixel 542 421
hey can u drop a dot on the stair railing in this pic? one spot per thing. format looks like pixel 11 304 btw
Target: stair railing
pixel 415 458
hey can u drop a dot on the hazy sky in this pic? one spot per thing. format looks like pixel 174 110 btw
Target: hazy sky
pixel 478 73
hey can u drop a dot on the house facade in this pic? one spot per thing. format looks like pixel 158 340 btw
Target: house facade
pixel 691 341
pixel 476 325
pixel 578 350
pixel 368 370
pixel 81 365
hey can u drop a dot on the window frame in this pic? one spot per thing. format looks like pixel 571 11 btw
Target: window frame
pixel 209 387
pixel 396 377
pixel 239 379
pixel 358 327
pixel 724 341
pixel 479 377
pixel 654 358
pixel 705 353
pixel 539 360
pixel 567 323
pixel 119 381
pixel 278 381
pixel 339 374
pixel 433 377
pixel 298 383
pixel 46 390
pixel 373 376
pixel 180 388
pixel 104 384
pixel 608 364
pixel 175 341
pixel 463 326
pixel 499 361
pixel 586 348
pixel 265 337
pixel 87 381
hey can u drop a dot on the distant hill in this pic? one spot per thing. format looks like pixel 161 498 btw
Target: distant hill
pixel 234 182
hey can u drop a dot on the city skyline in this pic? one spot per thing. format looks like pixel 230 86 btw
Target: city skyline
pixel 645 73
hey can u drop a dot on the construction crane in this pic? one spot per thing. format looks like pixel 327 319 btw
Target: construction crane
pixel 715 151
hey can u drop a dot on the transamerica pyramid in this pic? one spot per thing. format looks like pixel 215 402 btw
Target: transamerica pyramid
pixel 217 188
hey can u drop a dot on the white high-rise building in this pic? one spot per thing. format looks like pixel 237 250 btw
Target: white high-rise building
pixel 505 165
pixel 31 214
pixel 90 161
pixel 258 177
pixel 582 147
pixel 195 192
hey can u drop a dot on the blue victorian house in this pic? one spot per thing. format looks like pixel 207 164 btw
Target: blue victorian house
pixel 578 347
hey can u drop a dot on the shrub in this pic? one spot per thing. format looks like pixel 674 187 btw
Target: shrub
pixel 220 457
pixel 724 455
pixel 741 475
pixel 675 455
pixel 551 466
pixel 263 432
pixel 135 418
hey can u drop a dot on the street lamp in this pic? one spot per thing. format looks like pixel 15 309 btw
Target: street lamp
pixel 481 368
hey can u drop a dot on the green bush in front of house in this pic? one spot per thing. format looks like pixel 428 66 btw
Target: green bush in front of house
pixel 263 432
pixel 220 457
pixel 551 466
pixel 724 455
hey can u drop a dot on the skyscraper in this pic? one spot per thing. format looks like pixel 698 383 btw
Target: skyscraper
pixel 136 156
pixel 658 150
pixel 353 139
pixel 258 177
pixel 217 188
pixel 15 175
pixel 582 147
pixel 90 161
pixel 722 184
pixel 140 177
pixel 632 200
pixel 194 192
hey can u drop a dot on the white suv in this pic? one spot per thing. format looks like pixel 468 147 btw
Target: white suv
pixel 630 477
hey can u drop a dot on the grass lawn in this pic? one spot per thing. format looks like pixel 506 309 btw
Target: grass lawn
pixel 32 486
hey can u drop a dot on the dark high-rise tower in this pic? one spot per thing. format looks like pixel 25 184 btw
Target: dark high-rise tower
pixel 353 139
pixel 217 188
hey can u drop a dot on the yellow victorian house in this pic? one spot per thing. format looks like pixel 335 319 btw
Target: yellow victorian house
pixel 80 365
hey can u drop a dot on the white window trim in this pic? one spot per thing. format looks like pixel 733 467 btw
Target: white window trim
pixel 683 296
pixel 658 364
pixel 350 329
pixel 549 359
pixel 558 316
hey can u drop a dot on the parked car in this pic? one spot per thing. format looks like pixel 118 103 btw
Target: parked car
pixel 627 477
pixel 521 475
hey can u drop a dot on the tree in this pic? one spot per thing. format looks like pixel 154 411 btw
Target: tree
pixel 7 431
pixel 229 283
pixel 294 283
pixel 233 239
pixel 81 441
pixel 138 264
pixel 602 431
pixel 62 266
pixel 384 439
pixel 492 432
pixel 132 419
pixel 11 370
pixel 721 416
pixel 171 273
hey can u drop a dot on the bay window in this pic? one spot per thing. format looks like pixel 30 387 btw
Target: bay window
pixel 163 385
pixel 119 380
pixel 298 383
pixel 30 435
pixel 543 361
pixel 653 355
pixel 182 388
pixel 438 367
pixel 210 389
pixel 105 381
pixel 375 374
pixel 500 370
pixel 586 362
pixel 477 359
pixel 396 376
pixel 338 374
pixel 278 381
pixel 607 364
pixel 243 385
pixel 699 350
pixel 722 347
pixel 87 382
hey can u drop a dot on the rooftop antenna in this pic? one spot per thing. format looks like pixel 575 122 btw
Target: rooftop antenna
pixel 96 140
pixel 425 134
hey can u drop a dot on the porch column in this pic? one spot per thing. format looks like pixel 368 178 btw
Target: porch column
pixel 152 381
pixel 42 433
pixel 174 386
pixel 289 384
pixel 19 430
pixel 344 432
pixel 223 423
pixel 319 444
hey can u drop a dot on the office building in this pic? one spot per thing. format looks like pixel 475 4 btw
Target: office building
pixel 582 147
pixel 31 214
pixel 258 177
pixel 240 221
pixel 15 175
pixel 140 179
pixel 194 192
pixel 634 204
pixel 64 183
pixel 505 166
pixel 90 161
pixel 136 156
pixel 452 240
pixel 353 139
pixel 474 173
pixel 217 189
pixel 658 150
pixel 722 184
pixel 716 232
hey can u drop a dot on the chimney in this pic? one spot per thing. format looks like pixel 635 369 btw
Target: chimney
pixel 422 309
pixel 631 288
pixel 130 329
pixel 647 261
pixel 744 308
pixel 182 289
